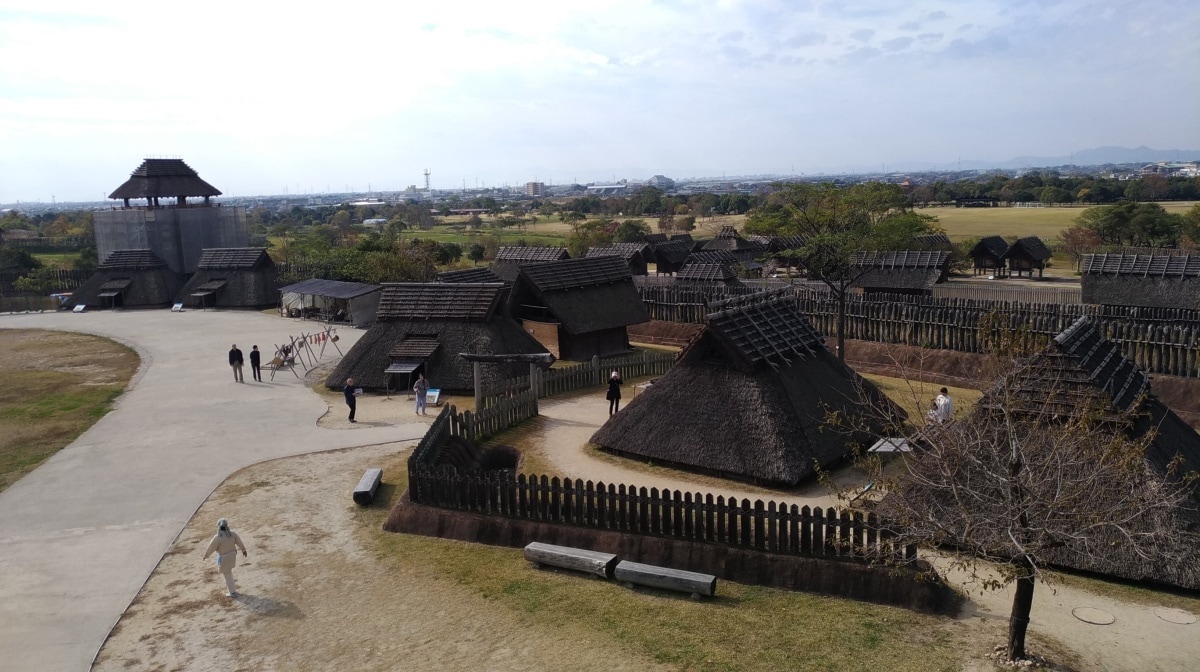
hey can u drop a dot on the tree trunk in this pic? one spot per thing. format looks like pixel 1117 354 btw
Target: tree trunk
pixel 1018 619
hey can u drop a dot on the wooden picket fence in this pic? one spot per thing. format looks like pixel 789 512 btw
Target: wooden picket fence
pixel 472 426
pixel 1057 295
pixel 697 517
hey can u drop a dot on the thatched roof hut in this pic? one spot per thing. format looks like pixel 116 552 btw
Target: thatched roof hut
pixel 635 255
pixel 1027 255
pixel 511 257
pixel 471 275
pixel 1149 280
pixel 159 179
pixel 422 328
pixel 932 241
pixel 669 256
pixel 578 308
pixel 707 273
pixel 749 398
pixel 728 239
pixel 1082 374
pixel 232 277
pixel 129 279
pixel 655 238
pixel 988 255
pixel 905 272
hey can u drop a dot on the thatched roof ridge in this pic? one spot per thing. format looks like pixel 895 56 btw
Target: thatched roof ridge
pixel 765 328
pixel 706 271
pixel 655 238
pixel 576 273
pixel 524 253
pixel 131 260
pixel 625 251
pixel 993 246
pixel 902 259
pixel 164 178
pixel 478 274
pixel 682 236
pixel 1030 246
pixel 234 257
pixel 932 241
pixel 411 301
pixel 1142 265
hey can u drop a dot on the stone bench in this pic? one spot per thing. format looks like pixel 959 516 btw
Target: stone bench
pixel 368 485
pixel 578 559
pixel 635 573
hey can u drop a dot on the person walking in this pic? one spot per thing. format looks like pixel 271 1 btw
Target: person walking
pixel 351 400
pixel 614 392
pixel 421 389
pixel 226 544
pixel 235 362
pixel 256 363
pixel 943 407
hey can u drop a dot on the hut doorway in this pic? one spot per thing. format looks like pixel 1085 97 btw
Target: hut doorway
pixel 402 375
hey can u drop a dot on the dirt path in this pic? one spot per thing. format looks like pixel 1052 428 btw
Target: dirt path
pixel 314 596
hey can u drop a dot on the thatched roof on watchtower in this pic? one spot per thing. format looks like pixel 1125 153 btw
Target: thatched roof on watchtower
pixel 430 324
pixel 582 295
pixel 129 279
pixel 749 398
pixel 164 178
pixel 233 277
pixel 1149 280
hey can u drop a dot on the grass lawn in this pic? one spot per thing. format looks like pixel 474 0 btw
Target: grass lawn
pixel 1045 223
pixel 62 260
pixel 56 386
pixel 745 628
pixel 915 396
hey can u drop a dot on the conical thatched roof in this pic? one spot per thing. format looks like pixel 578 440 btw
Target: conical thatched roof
pixel 433 323
pixel 749 398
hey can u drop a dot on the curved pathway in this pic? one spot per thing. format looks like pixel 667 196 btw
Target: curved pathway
pixel 81 533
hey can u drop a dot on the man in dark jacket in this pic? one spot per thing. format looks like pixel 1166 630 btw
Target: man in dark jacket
pixel 351 401
pixel 256 363
pixel 236 362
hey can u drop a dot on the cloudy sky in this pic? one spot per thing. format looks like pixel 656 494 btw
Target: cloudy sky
pixel 262 97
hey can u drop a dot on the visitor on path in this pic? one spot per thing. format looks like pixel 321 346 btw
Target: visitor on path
pixel 256 363
pixel 943 407
pixel 421 389
pixel 350 393
pixel 235 362
pixel 614 392
pixel 226 543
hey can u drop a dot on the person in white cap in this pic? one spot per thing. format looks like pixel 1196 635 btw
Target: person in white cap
pixel 226 543
pixel 614 392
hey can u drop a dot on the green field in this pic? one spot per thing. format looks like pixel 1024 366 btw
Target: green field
pixel 1045 223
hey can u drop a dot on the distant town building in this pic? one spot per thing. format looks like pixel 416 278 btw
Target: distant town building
pixel 1172 169
pixel 661 182
pixel 535 189
pixel 167 224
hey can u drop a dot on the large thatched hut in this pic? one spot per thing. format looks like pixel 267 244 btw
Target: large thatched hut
pixel 422 328
pixel 707 273
pixel 730 240
pixel 905 272
pixel 578 308
pixel 511 257
pixel 635 255
pixel 232 277
pixel 749 398
pixel 129 279
pixel 1147 280
pixel 1082 374
pixel 988 256
pixel 1027 255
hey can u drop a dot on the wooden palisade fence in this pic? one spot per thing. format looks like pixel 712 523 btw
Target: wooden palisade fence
pixel 582 376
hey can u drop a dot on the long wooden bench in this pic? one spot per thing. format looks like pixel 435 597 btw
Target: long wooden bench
pixel 635 573
pixel 368 485
pixel 578 559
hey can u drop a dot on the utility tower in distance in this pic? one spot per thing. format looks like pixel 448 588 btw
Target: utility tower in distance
pixel 428 193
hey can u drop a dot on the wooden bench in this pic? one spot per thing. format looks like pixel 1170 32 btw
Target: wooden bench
pixel 578 559
pixel 368 485
pixel 631 573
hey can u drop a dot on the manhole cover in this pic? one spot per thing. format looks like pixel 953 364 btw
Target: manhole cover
pixel 1175 615
pixel 1093 615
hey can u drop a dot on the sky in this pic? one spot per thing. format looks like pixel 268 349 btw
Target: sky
pixel 264 97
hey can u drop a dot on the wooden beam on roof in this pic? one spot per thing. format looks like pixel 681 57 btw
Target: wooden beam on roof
pixel 532 358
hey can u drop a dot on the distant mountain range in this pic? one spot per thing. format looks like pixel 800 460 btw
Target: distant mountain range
pixel 1088 157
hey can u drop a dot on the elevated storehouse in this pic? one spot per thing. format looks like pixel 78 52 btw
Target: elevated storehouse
pixel 578 308
pixel 1027 255
pixel 157 215
pixel 240 277
pixel 988 256
pixel 422 328
pixel 749 398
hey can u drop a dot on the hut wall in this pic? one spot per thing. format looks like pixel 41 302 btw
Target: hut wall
pixel 602 343
pixel 546 333
pixel 1145 292
pixel 243 288
pixel 175 235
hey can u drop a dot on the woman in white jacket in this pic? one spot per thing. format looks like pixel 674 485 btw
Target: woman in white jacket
pixel 226 544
